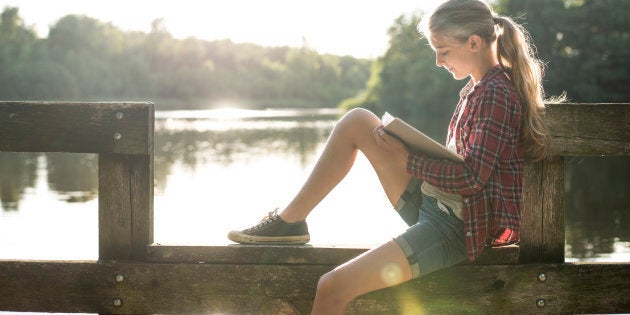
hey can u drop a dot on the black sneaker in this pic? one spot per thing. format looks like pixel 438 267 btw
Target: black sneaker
pixel 274 231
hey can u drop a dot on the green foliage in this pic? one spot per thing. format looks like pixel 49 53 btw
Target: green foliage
pixel 586 44
pixel 86 59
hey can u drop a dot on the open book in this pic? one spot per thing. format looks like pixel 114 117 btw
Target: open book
pixel 417 141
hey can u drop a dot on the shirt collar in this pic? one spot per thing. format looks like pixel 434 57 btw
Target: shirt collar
pixel 470 86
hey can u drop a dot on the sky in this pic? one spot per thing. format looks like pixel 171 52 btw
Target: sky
pixel 341 27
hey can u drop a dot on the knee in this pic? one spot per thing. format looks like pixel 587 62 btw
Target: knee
pixel 331 289
pixel 359 114
pixel 326 284
pixel 357 118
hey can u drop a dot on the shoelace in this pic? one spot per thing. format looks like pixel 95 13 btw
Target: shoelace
pixel 270 217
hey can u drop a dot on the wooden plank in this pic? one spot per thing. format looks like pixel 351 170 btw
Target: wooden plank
pixel 579 129
pixel 114 207
pixel 125 206
pixel 141 199
pixel 125 128
pixel 287 255
pixel 542 222
pixel 252 254
pixel 589 129
pixel 553 211
pixel 92 287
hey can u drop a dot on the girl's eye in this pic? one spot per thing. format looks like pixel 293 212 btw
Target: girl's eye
pixel 444 53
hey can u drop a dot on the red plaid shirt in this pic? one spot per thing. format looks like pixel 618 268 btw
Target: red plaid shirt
pixel 488 136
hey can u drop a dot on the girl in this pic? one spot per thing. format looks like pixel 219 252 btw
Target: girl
pixel 454 210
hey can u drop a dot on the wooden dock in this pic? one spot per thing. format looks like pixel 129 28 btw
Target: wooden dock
pixel 134 275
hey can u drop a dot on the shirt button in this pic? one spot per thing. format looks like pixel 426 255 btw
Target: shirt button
pixel 476 186
pixel 468 234
pixel 467 200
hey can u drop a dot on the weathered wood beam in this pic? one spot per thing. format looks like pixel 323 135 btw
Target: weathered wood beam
pixel 123 128
pixel 578 129
pixel 125 206
pixel 589 129
pixel 287 255
pixel 135 287
pixel 542 222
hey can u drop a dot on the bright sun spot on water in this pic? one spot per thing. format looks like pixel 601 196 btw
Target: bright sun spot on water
pixel 229 112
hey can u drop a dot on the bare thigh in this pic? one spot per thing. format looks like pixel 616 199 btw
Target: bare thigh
pixel 381 267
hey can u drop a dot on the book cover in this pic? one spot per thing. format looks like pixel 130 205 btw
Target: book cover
pixel 415 140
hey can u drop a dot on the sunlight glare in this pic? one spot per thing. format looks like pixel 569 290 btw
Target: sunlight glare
pixel 391 274
pixel 228 111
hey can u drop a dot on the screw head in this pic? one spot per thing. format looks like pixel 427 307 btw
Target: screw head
pixel 117 302
pixel 540 303
pixel 542 277
pixel 120 115
pixel 118 136
pixel 120 278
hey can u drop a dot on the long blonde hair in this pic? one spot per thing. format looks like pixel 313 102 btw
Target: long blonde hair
pixel 459 19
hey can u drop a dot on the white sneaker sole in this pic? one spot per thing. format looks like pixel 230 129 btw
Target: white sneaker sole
pixel 240 237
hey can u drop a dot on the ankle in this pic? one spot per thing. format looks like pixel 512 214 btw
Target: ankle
pixel 289 217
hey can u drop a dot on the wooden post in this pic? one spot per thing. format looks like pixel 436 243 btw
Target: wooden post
pixel 542 222
pixel 125 206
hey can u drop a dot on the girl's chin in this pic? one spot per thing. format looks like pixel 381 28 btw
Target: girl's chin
pixel 458 76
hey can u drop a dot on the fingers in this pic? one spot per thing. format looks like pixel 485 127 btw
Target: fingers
pixel 377 132
pixel 383 138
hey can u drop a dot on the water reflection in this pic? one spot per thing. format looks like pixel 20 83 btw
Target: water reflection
pixel 17 173
pixel 598 207
pixel 73 176
pixel 199 141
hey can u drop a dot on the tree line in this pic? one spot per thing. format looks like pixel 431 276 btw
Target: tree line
pixel 585 44
pixel 86 59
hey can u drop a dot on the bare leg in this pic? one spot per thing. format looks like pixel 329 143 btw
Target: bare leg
pixel 381 267
pixel 353 132
pixel 378 268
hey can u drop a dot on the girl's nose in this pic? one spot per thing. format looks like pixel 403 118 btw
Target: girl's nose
pixel 438 60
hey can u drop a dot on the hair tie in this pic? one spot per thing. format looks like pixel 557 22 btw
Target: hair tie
pixel 497 21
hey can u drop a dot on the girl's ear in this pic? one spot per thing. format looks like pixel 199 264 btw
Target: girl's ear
pixel 474 42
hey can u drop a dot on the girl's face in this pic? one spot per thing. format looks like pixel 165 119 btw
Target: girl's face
pixel 455 56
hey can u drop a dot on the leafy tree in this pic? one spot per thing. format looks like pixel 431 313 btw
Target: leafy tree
pixel 86 59
pixel 17 43
pixel 586 44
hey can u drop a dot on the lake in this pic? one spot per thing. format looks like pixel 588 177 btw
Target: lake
pixel 218 170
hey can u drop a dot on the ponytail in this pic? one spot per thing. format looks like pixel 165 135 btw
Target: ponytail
pixel 517 56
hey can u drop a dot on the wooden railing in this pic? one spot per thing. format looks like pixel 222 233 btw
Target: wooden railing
pixel 133 275
pixel 122 136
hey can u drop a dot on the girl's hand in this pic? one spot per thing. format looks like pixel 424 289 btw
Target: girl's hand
pixel 391 145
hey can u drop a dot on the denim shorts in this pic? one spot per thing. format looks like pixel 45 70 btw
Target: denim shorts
pixel 435 238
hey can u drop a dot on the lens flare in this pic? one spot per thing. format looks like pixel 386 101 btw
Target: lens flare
pixel 391 274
